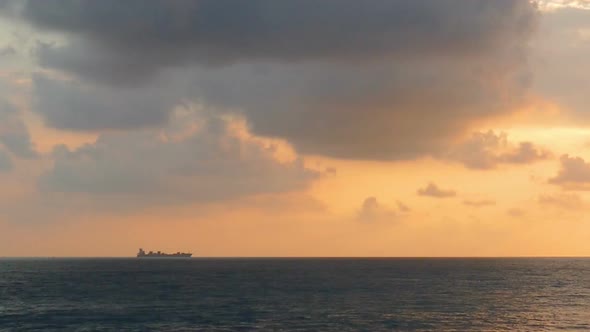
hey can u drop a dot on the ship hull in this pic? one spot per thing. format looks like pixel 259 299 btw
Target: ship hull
pixel 165 256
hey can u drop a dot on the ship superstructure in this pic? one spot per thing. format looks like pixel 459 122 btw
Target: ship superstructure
pixel 159 254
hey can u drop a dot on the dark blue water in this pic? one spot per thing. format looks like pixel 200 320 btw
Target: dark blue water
pixel 294 294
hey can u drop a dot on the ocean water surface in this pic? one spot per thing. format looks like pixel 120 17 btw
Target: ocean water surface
pixel 294 294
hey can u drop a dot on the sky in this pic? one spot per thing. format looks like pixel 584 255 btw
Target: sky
pixel 295 127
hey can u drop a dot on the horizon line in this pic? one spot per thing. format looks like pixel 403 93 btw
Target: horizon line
pixel 294 257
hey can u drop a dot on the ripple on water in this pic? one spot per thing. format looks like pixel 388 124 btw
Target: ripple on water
pixel 295 295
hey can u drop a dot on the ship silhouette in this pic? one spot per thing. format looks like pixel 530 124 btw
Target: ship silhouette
pixel 159 254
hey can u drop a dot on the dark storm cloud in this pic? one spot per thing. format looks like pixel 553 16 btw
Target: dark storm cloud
pixel 163 33
pixel 380 79
pixel 9 6
pixel 14 134
pixel 5 162
pixel 561 54
pixel 7 51
pixel 391 110
pixel 177 164
pixel 71 105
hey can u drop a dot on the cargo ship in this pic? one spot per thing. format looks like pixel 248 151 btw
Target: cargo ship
pixel 159 254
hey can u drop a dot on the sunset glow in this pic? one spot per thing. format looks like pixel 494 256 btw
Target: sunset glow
pixel 256 137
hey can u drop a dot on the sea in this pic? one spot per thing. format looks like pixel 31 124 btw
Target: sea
pixel 295 294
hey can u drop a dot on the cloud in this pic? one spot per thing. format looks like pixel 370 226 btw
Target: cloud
pixel 10 7
pixel 197 158
pixel 573 175
pixel 403 207
pixel 374 111
pixel 516 212
pixel 564 201
pixel 355 91
pixel 372 211
pixel 14 134
pixel 7 51
pixel 479 203
pixel 551 5
pixel 433 190
pixel 487 150
pixel 162 33
pixel 525 153
pixel 77 106
pixel 559 54
pixel 5 162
